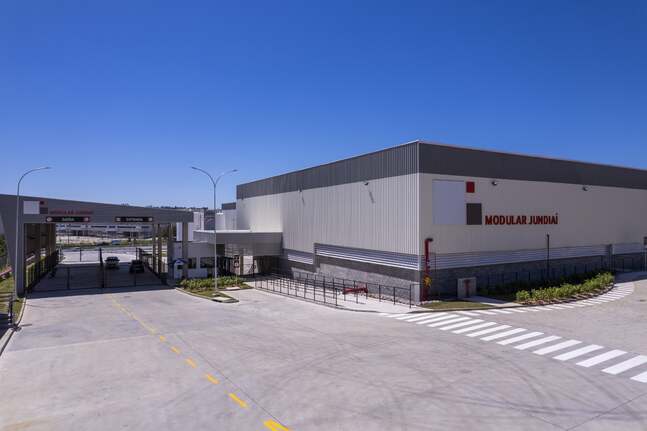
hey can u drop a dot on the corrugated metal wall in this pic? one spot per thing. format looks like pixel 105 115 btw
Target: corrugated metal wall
pixel 469 259
pixel 381 215
pixel 391 162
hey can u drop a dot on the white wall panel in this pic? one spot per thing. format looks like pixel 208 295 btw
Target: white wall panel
pixel 598 215
pixel 448 199
pixel 381 215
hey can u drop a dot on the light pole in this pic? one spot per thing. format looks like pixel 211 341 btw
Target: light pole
pixel 215 243
pixel 15 264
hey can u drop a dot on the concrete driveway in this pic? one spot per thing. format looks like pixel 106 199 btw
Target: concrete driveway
pixel 160 359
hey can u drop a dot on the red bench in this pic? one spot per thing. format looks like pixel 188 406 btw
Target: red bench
pixel 361 288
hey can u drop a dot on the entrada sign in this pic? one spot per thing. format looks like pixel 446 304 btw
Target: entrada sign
pixel 131 219
pixel 521 219
pixel 63 219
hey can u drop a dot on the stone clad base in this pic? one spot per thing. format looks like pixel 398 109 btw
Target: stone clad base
pixel 445 281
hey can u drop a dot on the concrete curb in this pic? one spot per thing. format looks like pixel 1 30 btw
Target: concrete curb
pixel 7 335
pixel 179 289
pixel 566 301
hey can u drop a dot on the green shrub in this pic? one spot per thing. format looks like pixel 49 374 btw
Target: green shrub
pixel 567 290
pixel 207 283
pixel 523 296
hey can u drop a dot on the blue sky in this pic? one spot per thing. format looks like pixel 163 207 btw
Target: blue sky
pixel 121 97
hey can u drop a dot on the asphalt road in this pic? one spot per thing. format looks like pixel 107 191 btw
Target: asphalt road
pixel 159 359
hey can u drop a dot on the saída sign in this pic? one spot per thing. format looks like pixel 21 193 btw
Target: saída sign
pixel 509 220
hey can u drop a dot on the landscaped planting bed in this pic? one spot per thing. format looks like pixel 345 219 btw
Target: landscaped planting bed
pixel 589 287
pixel 204 286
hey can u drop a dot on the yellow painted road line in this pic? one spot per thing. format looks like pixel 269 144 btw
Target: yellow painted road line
pixel 162 338
pixel 237 400
pixel 275 426
pixel 175 349
pixel 212 379
pixel 190 362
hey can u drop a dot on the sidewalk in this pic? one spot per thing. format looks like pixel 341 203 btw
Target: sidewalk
pixel 351 302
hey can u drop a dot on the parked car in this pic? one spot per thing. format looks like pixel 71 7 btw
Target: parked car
pixel 136 266
pixel 112 262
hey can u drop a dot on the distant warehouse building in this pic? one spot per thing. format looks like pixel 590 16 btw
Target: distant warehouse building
pixel 444 218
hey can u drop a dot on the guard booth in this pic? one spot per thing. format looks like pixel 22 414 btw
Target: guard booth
pixel 41 265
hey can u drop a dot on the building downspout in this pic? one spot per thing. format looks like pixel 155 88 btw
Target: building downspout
pixel 426 282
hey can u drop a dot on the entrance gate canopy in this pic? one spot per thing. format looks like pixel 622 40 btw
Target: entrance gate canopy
pixel 46 212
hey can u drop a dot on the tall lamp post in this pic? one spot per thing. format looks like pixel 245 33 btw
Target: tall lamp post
pixel 215 243
pixel 15 264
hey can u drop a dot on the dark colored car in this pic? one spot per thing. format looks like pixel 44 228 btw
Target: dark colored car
pixel 112 262
pixel 136 266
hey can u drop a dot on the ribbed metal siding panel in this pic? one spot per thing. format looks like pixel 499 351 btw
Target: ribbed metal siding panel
pixel 463 260
pixel 398 260
pixel 402 160
pixel 628 248
pixel 298 256
pixel 382 215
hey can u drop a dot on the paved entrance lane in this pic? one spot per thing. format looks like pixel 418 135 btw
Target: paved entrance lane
pixel 86 362
pixel 307 366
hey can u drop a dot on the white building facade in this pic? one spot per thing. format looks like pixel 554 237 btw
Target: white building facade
pixel 430 215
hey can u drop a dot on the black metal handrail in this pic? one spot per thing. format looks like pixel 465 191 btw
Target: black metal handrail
pixel 303 284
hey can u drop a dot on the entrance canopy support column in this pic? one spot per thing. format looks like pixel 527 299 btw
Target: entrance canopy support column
pixel 185 249
pixel 159 248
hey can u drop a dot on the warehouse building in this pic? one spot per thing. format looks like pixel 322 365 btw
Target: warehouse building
pixel 444 219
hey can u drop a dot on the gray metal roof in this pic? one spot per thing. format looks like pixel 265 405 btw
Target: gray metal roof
pixel 436 158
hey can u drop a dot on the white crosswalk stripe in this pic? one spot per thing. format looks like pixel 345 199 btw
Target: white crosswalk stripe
pixel 503 334
pixel 473 328
pixel 488 331
pixel 406 317
pixel 519 338
pixel 468 313
pixel 425 316
pixel 458 319
pixel 601 358
pixel 460 325
pixel 556 347
pixel 486 312
pixel 642 378
pixel 578 352
pixel 626 365
pixel 433 319
pixel 536 343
